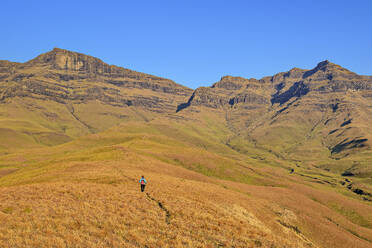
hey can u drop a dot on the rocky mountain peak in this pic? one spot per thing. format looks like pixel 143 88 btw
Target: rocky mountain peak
pixel 67 60
pixel 73 65
pixel 327 68
pixel 6 68
pixel 323 63
pixel 233 83
pixel 67 77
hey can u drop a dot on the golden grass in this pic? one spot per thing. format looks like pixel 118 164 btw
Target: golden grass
pixel 85 194
pixel 118 215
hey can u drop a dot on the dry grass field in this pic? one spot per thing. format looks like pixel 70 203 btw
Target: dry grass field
pixel 86 194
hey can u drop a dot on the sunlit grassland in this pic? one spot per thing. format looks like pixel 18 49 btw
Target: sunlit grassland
pixel 86 192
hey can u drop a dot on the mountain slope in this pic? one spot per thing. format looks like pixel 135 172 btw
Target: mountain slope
pixel 319 117
pixel 61 95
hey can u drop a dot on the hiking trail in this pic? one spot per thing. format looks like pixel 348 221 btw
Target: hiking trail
pixel 161 206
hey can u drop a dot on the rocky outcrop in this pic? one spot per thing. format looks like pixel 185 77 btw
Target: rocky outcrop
pixel 7 68
pixel 298 89
pixel 208 97
pixel 228 92
pixel 248 98
pixel 231 83
pixel 69 66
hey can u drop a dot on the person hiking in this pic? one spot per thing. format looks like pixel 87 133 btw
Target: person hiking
pixel 143 183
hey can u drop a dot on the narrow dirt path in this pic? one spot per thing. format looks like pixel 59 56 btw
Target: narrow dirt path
pixel 159 203
pixel 161 206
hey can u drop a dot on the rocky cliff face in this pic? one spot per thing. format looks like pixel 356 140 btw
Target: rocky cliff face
pixel 291 111
pixel 6 68
pixel 62 76
pixel 326 77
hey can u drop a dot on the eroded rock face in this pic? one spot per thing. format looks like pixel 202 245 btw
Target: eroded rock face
pixel 64 76
pixel 6 69
pixel 326 77
pixel 298 89
pixel 61 59
pixel 230 91
pixel 248 98
pixel 231 83
pixel 208 97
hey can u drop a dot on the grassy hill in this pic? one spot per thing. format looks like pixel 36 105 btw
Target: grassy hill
pixel 201 193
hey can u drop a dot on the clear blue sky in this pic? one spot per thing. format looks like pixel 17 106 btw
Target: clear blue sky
pixel 194 42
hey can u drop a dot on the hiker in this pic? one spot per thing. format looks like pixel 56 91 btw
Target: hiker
pixel 292 170
pixel 143 183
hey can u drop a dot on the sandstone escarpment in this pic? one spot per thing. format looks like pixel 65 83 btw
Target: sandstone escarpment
pixel 63 76
pixel 326 77
pixel 7 68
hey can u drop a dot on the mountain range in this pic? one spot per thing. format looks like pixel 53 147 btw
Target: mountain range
pixel 319 117
pixel 282 161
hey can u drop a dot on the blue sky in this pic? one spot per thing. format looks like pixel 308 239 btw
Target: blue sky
pixel 194 42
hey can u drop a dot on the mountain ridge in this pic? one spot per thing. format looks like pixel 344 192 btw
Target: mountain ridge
pixel 290 111
pixel 59 58
pixel 98 96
